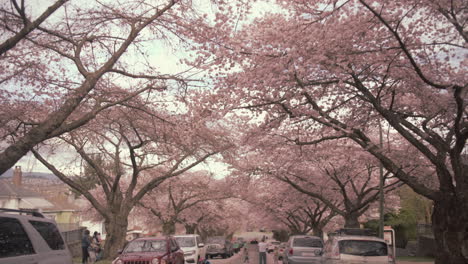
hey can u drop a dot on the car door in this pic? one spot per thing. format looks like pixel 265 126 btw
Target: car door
pixel 15 244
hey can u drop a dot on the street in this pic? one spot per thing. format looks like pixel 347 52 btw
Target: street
pixel 253 258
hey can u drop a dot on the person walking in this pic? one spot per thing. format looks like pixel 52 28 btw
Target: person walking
pixel 246 254
pixel 262 250
pixel 275 255
pixel 85 244
pixel 96 245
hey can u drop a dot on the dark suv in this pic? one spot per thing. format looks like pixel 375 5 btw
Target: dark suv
pixel 218 246
pixel 28 237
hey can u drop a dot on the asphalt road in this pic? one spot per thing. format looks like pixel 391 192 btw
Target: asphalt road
pixel 238 258
pixel 253 258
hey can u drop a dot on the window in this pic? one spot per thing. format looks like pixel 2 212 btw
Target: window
pixel 307 242
pixel 13 239
pixel 186 241
pixel 50 234
pixel 363 248
pixel 146 246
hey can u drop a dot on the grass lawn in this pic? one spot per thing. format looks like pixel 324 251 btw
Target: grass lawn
pixel 416 259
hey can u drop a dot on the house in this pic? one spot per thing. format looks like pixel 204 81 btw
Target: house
pixel 44 195
pixel 14 196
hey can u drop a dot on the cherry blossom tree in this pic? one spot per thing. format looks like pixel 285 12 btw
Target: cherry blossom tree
pixel 131 152
pixel 176 200
pixel 294 210
pixel 334 69
pixel 17 23
pixel 342 177
pixel 61 69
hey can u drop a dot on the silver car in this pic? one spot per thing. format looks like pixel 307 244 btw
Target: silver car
pixel 349 249
pixel 27 237
pixel 303 250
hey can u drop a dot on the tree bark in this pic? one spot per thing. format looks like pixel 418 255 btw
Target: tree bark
pixel 450 225
pixel 351 220
pixel 317 231
pixel 190 228
pixel 115 238
pixel 168 228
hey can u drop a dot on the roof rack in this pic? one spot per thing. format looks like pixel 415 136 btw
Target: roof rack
pixel 31 212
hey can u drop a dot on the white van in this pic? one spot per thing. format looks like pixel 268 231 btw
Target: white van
pixel 349 249
pixel 27 237
pixel 193 247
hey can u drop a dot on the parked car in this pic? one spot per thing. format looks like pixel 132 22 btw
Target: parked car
pixel 218 246
pixel 28 237
pixel 271 245
pixel 254 241
pixel 303 250
pixel 151 250
pixel 192 246
pixel 347 249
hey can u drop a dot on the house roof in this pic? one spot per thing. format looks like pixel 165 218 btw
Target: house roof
pixel 7 189
pixel 27 198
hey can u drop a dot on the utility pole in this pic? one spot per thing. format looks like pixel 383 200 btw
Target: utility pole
pixel 381 187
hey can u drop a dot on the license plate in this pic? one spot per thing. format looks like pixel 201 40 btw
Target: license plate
pixel 308 254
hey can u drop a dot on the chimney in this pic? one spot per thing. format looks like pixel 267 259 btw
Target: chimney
pixel 17 176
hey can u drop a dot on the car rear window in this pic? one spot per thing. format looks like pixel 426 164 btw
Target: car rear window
pixel 13 239
pixel 363 248
pixel 185 241
pixel 307 242
pixel 50 234
pixel 146 246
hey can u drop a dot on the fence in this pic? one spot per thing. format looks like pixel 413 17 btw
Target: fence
pixel 73 240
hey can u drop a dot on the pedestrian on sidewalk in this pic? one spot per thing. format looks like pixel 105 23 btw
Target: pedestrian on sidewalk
pixel 275 255
pixel 85 243
pixel 262 250
pixel 246 255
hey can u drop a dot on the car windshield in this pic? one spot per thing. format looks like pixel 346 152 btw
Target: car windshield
pixel 186 241
pixel 146 246
pixel 363 248
pixel 218 240
pixel 307 242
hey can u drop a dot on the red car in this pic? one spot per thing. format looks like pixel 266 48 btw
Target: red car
pixel 151 250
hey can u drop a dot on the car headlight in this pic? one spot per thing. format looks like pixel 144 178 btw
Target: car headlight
pixel 155 261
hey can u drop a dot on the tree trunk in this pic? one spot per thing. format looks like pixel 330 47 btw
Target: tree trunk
pixel 115 238
pixel 190 228
pixel 168 228
pixel 317 231
pixel 450 225
pixel 351 220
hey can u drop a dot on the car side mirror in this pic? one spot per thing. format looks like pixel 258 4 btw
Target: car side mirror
pixel 200 245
